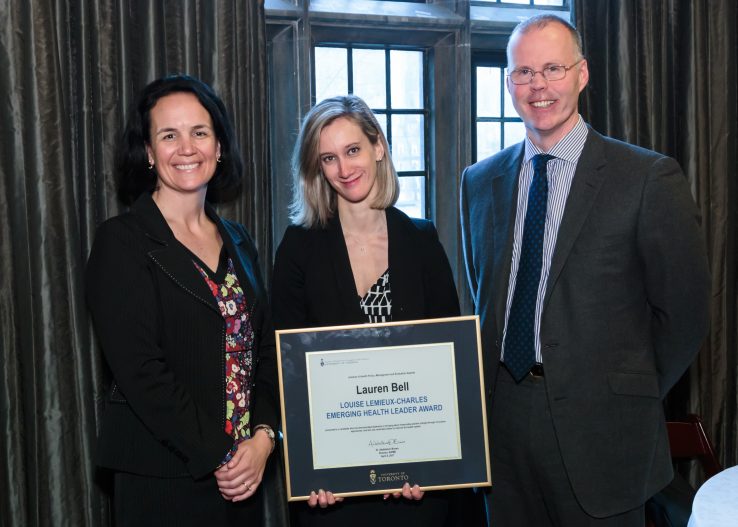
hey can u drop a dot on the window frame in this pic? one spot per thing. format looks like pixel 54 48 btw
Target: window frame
pixel 566 5
pixel 488 59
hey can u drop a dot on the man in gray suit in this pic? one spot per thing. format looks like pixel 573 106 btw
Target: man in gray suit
pixel 588 270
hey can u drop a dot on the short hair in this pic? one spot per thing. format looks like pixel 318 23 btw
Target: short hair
pixel 133 176
pixel 314 200
pixel 541 21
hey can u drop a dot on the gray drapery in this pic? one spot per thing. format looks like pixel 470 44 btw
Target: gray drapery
pixel 68 71
pixel 663 76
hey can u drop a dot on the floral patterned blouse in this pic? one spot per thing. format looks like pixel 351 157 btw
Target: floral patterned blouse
pixel 239 341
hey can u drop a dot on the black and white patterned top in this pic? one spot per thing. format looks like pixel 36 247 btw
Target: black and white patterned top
pixel 377 303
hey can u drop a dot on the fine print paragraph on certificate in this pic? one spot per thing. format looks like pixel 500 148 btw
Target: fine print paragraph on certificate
pixel 383 405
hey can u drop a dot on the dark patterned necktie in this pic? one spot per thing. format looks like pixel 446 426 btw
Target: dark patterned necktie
pixel 520 348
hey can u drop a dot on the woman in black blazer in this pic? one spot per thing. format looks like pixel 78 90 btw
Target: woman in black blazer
pixel 180 312
pixel 314 285
pixel 336 263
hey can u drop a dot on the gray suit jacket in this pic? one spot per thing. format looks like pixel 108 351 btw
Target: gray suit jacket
pixel 625 309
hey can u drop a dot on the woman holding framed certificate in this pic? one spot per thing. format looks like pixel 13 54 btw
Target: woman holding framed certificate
pixel 351 257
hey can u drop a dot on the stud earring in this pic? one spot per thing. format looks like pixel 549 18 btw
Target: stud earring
pixel 151 164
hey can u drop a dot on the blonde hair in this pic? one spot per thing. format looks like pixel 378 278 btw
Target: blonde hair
pixel 314 200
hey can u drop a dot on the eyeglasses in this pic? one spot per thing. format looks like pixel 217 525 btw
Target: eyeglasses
pixel 552 72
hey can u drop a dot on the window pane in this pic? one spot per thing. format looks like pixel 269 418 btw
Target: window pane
pixel 549 2
pixel 514 133
pixel 407 142
pixel 369 77
pixel 331 73
pixel 488 92
pixel 509 110
pixel 488 139
pixel 406 75
pixel 515 1
pixel 382 118
pixel 412 196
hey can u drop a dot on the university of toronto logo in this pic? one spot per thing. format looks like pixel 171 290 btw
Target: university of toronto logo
pixel 372 477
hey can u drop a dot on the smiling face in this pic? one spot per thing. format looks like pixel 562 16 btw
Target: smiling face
pixel 348 161
pixel 549 109
pixel 183 147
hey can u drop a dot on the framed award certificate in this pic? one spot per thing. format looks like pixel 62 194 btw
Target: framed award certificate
pixel 366 408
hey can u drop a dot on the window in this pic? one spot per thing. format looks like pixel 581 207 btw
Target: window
pixel 392 82
pixel 539 3
pixel 496 123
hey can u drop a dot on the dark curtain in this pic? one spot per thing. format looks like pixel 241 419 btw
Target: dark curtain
pixel 68 71
pixel 663 75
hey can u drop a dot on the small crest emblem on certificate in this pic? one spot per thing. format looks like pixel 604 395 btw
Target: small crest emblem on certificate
pixel 372 477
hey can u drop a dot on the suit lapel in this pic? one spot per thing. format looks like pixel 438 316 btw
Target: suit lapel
pixel 405 270
pixel 504 207
pixel 344 278
pixel 585 186
pixel 177 265
pixel 234 241
pixel 171 257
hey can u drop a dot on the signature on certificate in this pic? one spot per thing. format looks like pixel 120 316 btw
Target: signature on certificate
pixel 386 442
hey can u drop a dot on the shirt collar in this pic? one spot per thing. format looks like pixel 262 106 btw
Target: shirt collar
pixel 569 148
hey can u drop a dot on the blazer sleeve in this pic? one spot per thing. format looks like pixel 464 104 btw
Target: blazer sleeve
pixel 441 298
pixel 675 267
pixel 288 281
pixel 123 301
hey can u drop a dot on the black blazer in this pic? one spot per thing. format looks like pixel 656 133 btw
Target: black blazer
pixel 313 284
pixel 624 313
pixel 163 336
